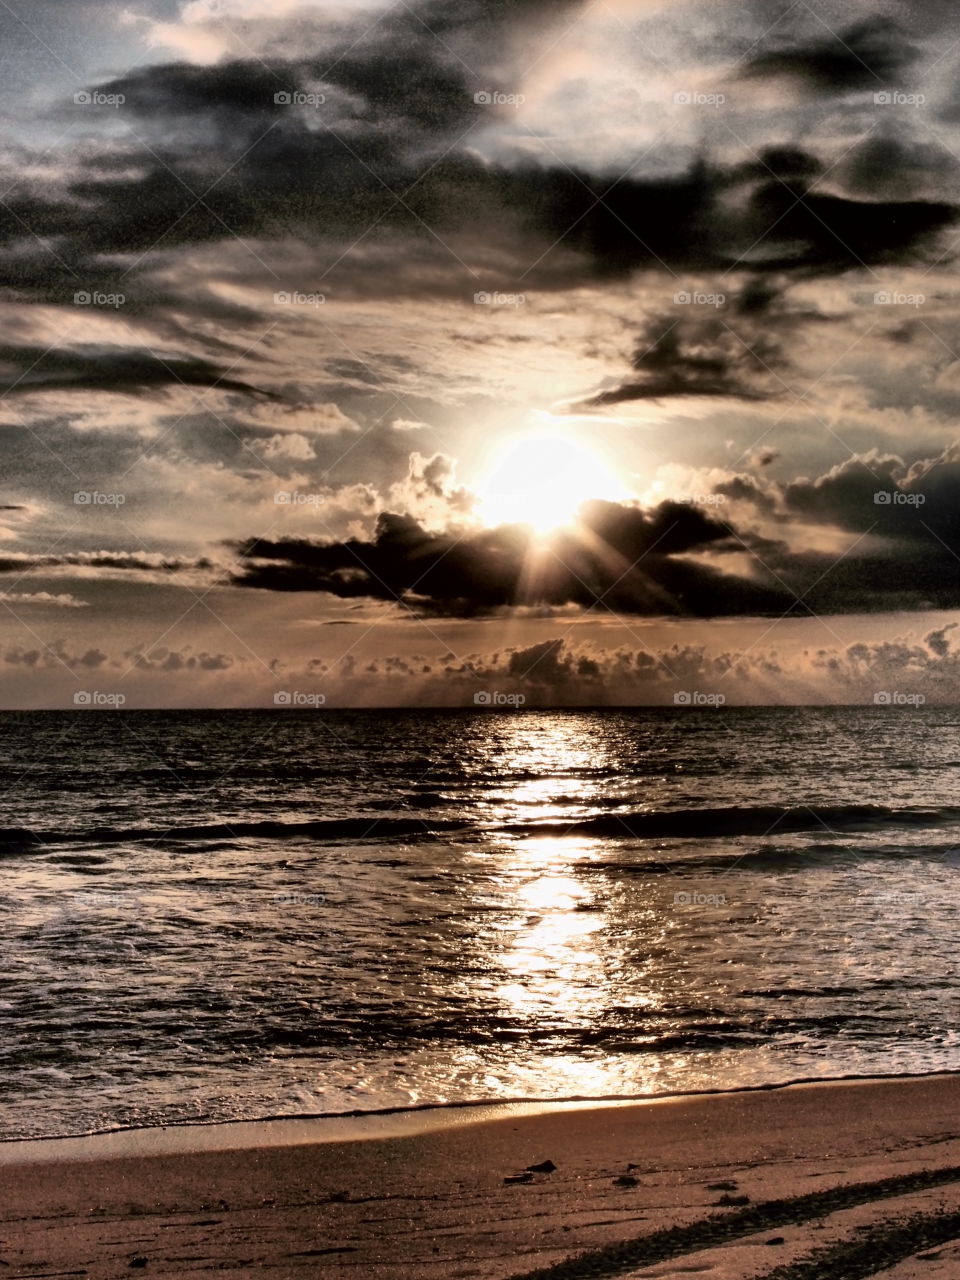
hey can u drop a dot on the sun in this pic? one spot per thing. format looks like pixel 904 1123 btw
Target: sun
pixel 541 478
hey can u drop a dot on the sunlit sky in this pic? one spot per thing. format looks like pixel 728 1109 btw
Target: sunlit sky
pixel 404 351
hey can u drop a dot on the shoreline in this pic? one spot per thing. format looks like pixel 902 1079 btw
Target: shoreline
pixel 732 1182
pixel 185 1136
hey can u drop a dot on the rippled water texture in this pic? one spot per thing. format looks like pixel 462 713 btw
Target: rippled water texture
pixel 229 915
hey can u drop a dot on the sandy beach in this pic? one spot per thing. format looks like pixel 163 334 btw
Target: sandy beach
pixel 807 1181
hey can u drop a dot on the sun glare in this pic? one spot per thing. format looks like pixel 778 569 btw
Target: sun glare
pixel 541 479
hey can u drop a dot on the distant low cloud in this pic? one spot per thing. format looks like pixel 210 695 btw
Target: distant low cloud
pixel 60 600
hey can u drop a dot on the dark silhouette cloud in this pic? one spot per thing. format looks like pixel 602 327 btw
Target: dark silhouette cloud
pixel 901 551
pixel 622 558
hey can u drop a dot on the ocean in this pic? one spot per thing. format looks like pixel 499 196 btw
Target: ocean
pixel 210 916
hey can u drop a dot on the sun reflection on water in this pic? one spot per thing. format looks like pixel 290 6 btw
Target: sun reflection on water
pixel 583 962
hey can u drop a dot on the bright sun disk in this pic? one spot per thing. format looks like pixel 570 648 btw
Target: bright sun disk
pixel 541 479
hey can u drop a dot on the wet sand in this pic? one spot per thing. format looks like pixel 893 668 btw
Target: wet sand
pixel 734 1186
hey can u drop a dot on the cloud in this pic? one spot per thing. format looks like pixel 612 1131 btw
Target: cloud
pixel 715 345
pixel 885 165
pixel 702 356
pixel 291 446
pixel 628 560
pixel 55 656
pixel 868 54
pixel 176 660
pixel 561 671
pixel 556 670
pixel 63 600
pixel 26 369
pixel 390 155
pixel 430 493
pixel 87 563
pixel 868 535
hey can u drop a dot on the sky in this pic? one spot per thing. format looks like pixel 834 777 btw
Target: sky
pixel 451 353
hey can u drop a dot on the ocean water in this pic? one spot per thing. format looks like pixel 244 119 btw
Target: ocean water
pixel 226 915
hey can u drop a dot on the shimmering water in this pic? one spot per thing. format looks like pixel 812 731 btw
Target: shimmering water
pixel 210 915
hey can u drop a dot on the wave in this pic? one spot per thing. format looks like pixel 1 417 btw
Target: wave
pixel 323 829
pixel 758 820
pixel 727 821
pixel 449 1112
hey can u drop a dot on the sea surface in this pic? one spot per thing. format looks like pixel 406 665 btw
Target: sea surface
pixel 208 916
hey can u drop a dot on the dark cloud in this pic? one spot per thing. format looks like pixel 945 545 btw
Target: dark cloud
pixel 908 553
pixel 803 230
pixel 410 84
pixel 868 54
pixel 700 358
pixel 734 348
pixel 383 156
pixel 229 89
pixel 901 551
pixel 560 671
pixel 764 457
pixel 745 488
pixel 763 215
pixel 107 368
pixel 20 562
pixel 442 16
pixel 624 559
pixel 892 167
pixel 879 493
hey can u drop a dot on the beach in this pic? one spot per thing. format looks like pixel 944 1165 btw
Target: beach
pixel 750 1182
